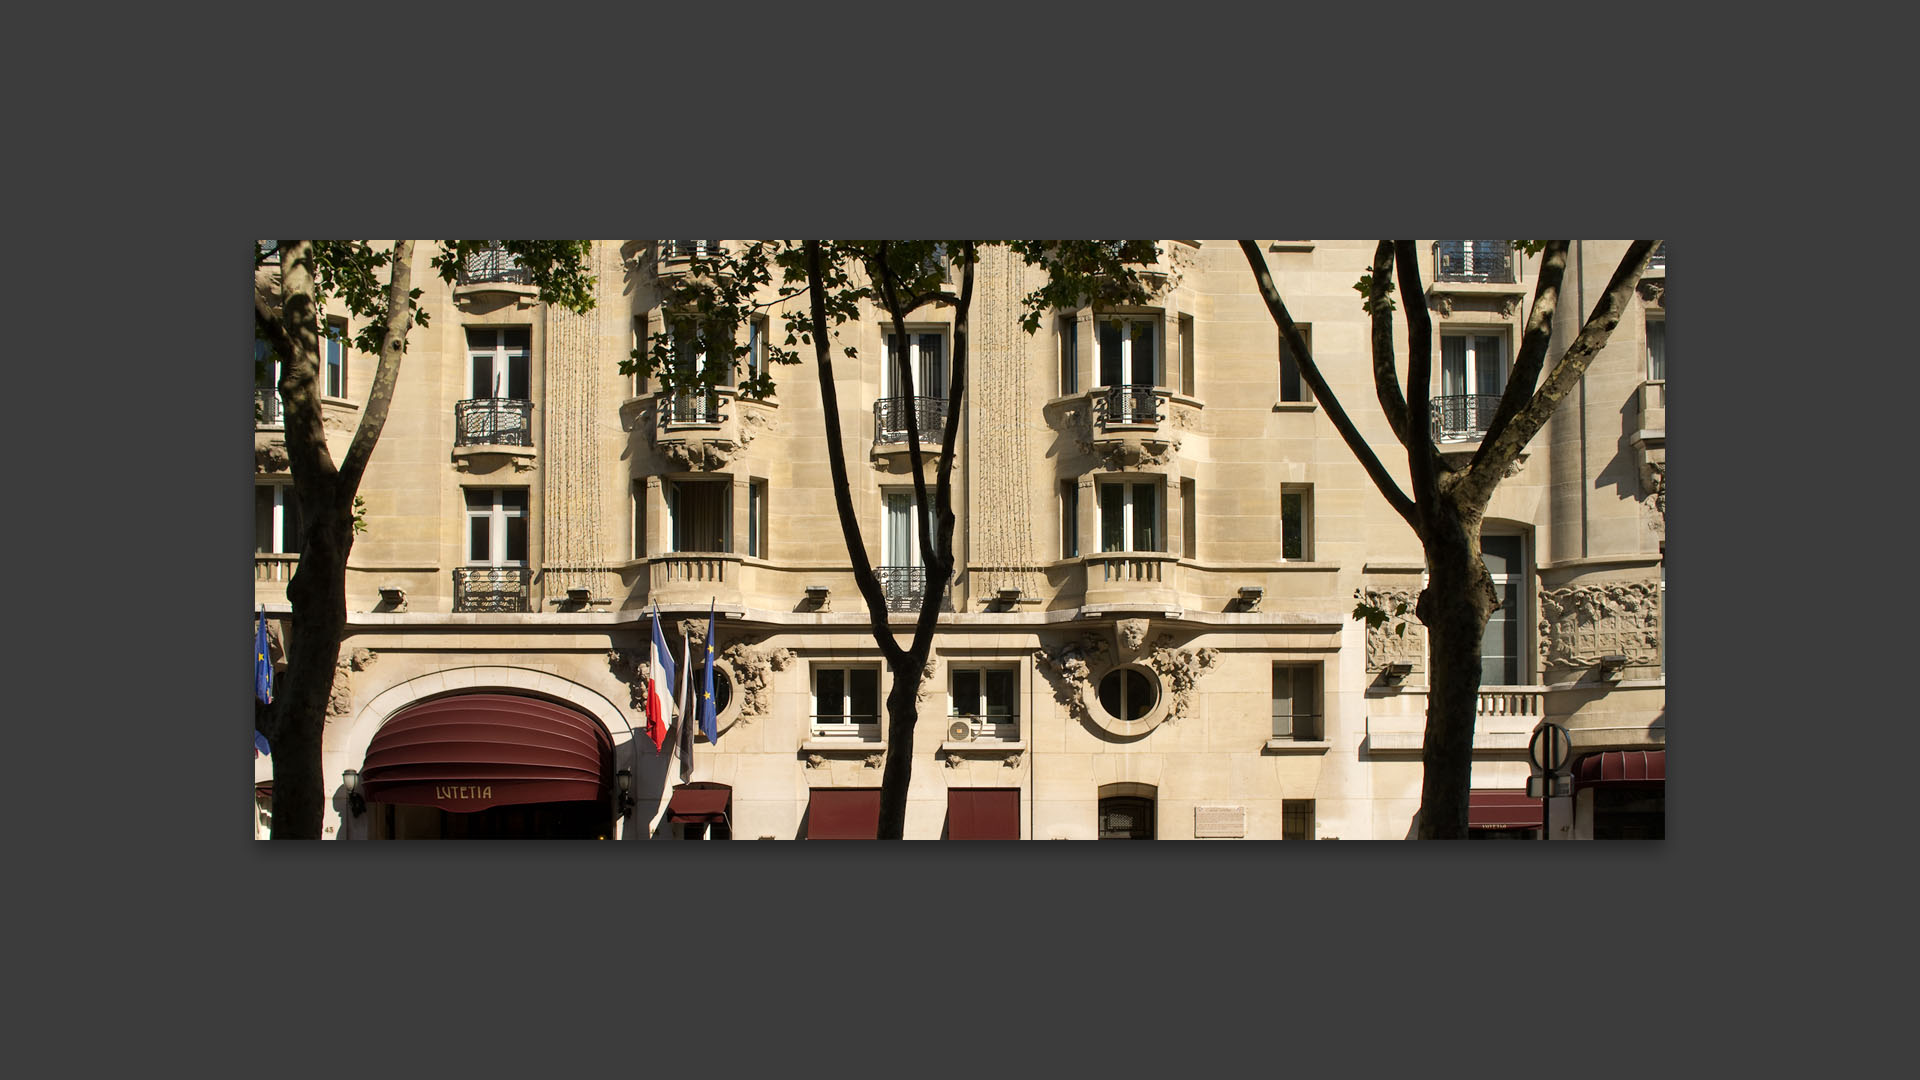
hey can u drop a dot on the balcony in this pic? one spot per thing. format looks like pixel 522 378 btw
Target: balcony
pixel 1131 577
pixel 681 410
pixel 267 411
pixel 1486 262
pixel 491 588
pixel 682 250
pixel 493 265
pixel 1462 417
pixel 684 577
pixel 1129 406
pixel 493 422
pixel 275 567
pixel 890 420
pixel 903 586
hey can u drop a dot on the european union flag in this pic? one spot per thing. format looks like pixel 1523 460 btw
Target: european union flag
pixel 708 722
pixel 262 667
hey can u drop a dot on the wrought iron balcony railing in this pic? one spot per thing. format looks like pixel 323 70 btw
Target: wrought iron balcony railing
pixel 267 411
pixel 1462 416
pixel 491 588
pixel 903 586
pixel 493 263
pixel 686 249
pixel 692 409
pixel 1489 261
pixel 1129 405
pixel 493 421
pixel 890 418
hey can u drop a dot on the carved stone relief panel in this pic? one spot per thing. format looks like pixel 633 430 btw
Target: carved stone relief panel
pixel 1387 643
pixel 1579 625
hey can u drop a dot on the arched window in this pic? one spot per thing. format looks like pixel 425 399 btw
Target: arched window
pixel 1126 812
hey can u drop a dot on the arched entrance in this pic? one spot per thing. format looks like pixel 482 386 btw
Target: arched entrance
pixel 1127 811
pixel 489 766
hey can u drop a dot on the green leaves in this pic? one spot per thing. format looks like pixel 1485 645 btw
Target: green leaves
pixel 1384 305
pixel 1376 617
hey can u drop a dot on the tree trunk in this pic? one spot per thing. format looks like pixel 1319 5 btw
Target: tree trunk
pixel 318 596
pixel 1455 606
pixel 903 711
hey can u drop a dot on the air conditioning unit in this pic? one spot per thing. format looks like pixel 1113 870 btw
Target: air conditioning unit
pixel 959 731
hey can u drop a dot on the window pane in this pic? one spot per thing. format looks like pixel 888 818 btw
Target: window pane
pixel 1110 691
pixel 516 539
pixel 1291 520
pixel 931 378
pixel 1109 353
pixel 514 501
pixel 478 338
pixel 517 382
pixel 966 692
pixel 1489 369
pixel 1146 518
pixel 999 692
pixel 1144 371
pixel 263 519
pixel 1113 498
pixel 829 694
pixel 479 532
pixel 1656 348
pixel 863 694
pixel 1069 519
pixel 1453 366
pixel 1282 702
pixel 520 338
pixel 1139 695
pixel 289 521
pixel 1291 387
pixel 1501 554
pixel 483 375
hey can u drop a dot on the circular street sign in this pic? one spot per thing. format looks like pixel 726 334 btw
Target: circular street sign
pixel 1549 748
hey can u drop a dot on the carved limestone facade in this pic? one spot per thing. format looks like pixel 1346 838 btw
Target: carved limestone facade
pixel 1580 625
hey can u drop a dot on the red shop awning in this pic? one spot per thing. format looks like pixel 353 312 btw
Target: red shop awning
pixel 476 751
pixel 843 814
pixel 705 806
pixel 983 813
pixel 1494 809
pixel 1621 768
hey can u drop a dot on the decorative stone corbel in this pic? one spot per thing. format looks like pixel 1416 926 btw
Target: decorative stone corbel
pixel 1129 635
pixel 874 761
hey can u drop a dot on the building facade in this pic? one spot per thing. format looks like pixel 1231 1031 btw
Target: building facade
pixel 1147 635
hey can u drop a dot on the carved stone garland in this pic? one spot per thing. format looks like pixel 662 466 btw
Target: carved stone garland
pixel 1180 668
pixel 340 695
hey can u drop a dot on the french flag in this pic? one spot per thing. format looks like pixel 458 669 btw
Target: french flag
pixel 660 705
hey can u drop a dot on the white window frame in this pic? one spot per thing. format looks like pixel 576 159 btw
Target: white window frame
pixel 1128 375
pixel 757 517
pixel 502 356
pixel 941 377
pixel 1315 694
pixel 670 493
pixel 1472 367
pixel 497 515
pixel 889 553
pixel 865 732
pixel 284 508
pixel 1129 508
pixel 758 329
pixel 1304 527
pixel 263 353
pixel 1522 580
pixel 985 726
pixel 334 359
pixel 1659 376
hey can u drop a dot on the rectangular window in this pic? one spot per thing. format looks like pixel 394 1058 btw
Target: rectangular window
pixel 1296 819
pixel 1473 375
pixel 1186 355
pixel 846 701
pixel 1069 354
pixel 498 362
pixel 639 519
pixel 985 697
pixel 1189 519
pixel 1293 385
pixel 757 330
pixel 1129 353
pixel 266 385
pixel 276 520
pixel 639 349
pixel 496 526
pixel 1500 657
pixel 1296 522
pixel 1069 519
pixel 1657 349
pixel 1296 702
pixel 700 515
pixel 757 518
pixel 926 357
pixel 336 358
pixel 1130 517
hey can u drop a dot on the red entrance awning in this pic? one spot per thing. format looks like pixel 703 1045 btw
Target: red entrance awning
pixel 983 814
pixel 843 814
pixel 1621 768
pixel 1493 809
pixel 705 806
pixel 477 751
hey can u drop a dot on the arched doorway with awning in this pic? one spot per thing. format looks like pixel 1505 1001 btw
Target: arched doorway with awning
pixel 490 765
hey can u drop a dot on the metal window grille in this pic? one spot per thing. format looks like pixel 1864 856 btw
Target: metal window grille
pixel 1129 404
pixel 1473 260
pixel 1462 416
pixel 493 263
pixel 890 418
pixel 493 421
pixel 491 588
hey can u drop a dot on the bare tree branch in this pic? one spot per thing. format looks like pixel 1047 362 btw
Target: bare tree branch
pixel 1311 371
pixel 1503 446
pixel 1386 378
pixel 1423 459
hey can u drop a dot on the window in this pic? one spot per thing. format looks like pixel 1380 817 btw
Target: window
pixel 1130 516
pixel 1069 519
pixel 700 515
pixel 1127 693
pixel 1129 353
pixel 497 362
pixel 639 519
pixel 1296 522
pixel 1473 260
pixel 697 350
pixel 276 520
pixel 1473 375
pixel 639 348
pixel 925 357
pixel 1189 518
pixel 496 526
pixel 846 702
pixel 1500 657
pixel 757 346
pixel 1296 819
pixel 1069 354
pixel 1293 386
pixel 1186 355
pixel 266 385
pixel 336 349
pixel 903 574
pixel 1656 348
pixel 757 518
pixel 986 698
pixel 1296 702
pixel 1126 817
